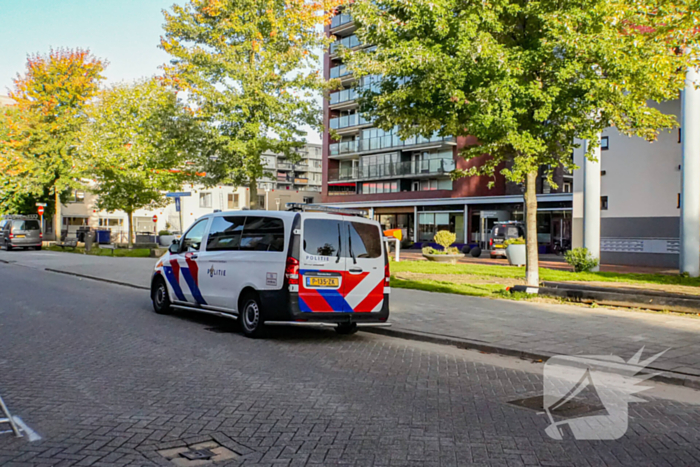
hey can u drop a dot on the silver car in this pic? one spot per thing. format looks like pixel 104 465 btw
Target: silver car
pixel 20 232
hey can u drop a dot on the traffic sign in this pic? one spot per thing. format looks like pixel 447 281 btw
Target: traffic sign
pixel 41 204
pixel 155 218
pixel 40 210
pixel 177 204
pixel 178 194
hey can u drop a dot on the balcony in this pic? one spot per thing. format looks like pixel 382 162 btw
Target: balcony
pixel 349 42
pixel 393 170
pixel 340 20
pixel 385 142
pixel 347 121
pixel 340 71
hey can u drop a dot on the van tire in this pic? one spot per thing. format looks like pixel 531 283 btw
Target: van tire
pixel 346 328
pixel 250 315
pixel 160 298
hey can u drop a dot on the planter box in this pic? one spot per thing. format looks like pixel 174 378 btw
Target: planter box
pixel 452 259
pixel 516 254
pixel 166 240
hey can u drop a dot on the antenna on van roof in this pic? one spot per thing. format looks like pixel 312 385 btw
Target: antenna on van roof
pixel 303 207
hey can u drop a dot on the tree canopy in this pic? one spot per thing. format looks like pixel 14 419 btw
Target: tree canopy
pixel 526 78
pixel 250 68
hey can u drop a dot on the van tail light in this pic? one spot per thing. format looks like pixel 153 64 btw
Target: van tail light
pixel 490 242
pixel 41 235
pixel 12 235
pixel 291 271
pixel 387 275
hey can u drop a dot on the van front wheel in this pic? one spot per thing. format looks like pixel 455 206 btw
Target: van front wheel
pixel 251 317
pixel 160 298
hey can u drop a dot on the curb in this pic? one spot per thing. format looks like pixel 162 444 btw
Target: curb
pixel 662 376
pixel 99 279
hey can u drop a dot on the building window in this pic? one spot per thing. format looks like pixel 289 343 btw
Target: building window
pixel 680 135
pixel 566 187
pixel 205 200
pixel 110 222
pixel 604 143
pixel 603 203
pixel 308 199
pixel 80 221
pixel 232 201
pixel 78 196
pixel 678 201
pixel 261 201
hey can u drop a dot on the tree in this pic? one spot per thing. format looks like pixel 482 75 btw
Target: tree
pixel 250 66
pixel 50 101
pixel 527 79
pixel 137 145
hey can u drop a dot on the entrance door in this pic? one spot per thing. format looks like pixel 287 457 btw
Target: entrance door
pixel 322 264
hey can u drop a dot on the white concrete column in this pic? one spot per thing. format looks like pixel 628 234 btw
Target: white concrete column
pixel 371 213
pixel 591 203
pixel 466 223
pixel 690 175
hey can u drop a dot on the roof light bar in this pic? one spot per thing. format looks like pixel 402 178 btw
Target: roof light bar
pixel 321 208
pixel 20 217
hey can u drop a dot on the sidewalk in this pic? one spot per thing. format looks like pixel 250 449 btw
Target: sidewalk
pixel 527 329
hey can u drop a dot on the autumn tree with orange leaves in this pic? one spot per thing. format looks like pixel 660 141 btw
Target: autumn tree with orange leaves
pixel 50 101
pixel 250 68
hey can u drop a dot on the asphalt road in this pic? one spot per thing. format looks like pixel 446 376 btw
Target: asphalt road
pixel 105 381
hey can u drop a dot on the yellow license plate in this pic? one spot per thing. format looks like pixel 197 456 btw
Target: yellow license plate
pixel 19 236
pixel 322 282
pixel 498 246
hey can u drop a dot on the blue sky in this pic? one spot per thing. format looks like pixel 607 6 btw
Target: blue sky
pixel 124 32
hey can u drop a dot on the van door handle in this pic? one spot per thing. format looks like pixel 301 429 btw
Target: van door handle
pixel 355 270
pixel 193 256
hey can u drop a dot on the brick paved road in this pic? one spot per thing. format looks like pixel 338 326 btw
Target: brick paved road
pixel 105 381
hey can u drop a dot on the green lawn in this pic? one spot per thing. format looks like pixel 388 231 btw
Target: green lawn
pixel 119 252
pixel 479 290
pixel 427 267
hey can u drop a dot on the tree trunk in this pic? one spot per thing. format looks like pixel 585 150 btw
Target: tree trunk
pixel 130 231
pixel 253 186
pixel 57 225
pixel 532 272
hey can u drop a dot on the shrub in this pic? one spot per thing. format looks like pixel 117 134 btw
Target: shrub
pixel 580 259
pixel 164 232
pixel 515 241
pixel 429 250
pixel 445 238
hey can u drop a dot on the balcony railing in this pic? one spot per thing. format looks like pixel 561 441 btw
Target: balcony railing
pixel 340 71
pixel 384 142
pixel 349 42
pixel 340 20
pixel 393 169
pixel 347 121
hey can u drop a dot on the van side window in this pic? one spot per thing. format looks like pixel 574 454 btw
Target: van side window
pixel 193 238
pixel 225 233
pixel 262 234
pixel 366 241
pixel 322 236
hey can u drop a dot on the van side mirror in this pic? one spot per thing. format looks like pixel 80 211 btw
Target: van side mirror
pixel 174 247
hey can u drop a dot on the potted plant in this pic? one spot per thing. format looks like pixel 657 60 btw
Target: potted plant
pixel 516 251
pixel 165 238
pixel 448 254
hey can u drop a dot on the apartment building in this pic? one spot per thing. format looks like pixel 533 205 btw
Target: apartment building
pixel 640 197
pixel 406 183
pixel 282 174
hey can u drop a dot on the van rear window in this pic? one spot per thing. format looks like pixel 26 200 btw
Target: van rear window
pixel 322 236
pixel 365 240
pixel 26 225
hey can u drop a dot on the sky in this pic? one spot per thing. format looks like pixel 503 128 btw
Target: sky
pixel 126 33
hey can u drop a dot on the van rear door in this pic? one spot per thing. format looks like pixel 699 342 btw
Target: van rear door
pixel 322 264
pixel 364 282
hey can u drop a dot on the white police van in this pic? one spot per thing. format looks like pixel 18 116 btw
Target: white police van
pixel 309 265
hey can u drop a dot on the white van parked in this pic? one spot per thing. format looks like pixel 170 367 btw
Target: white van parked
pixel 279 267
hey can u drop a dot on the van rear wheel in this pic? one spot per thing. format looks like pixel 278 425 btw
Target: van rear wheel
pixel 250 316
pixel 346 328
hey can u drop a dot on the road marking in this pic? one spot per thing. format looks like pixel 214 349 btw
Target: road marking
pixel 31 434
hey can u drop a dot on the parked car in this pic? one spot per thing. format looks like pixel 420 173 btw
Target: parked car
pixel 278 267
pixel 501 232
pixel 20 231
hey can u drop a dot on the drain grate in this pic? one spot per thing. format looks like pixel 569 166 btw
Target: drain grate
pixel 573 408
pixel 198 454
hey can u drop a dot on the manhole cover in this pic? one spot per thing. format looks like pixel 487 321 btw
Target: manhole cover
pixel 573 408
pixel 198 454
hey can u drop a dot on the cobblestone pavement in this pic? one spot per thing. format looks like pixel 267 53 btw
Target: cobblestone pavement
pixel 105 381
pixel 537 328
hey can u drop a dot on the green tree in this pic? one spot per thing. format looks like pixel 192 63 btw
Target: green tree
pixel 250 68
pixel 50 110
pixel 137 145
pixel 527 79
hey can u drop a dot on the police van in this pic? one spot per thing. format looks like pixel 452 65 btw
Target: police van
pixel 309 265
